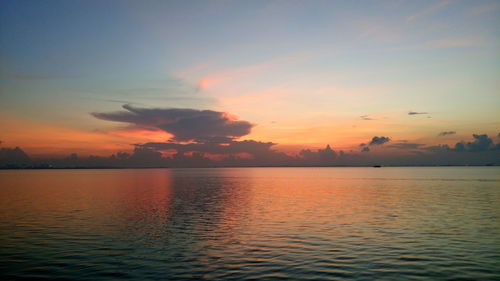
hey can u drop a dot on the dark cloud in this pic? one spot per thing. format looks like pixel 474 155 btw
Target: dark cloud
pixel 416 113
pixel 406 145
pixel 438 148
pixel 446 133
pixel 183 124
pixel 326 156
pixel 200 155
pixel 379 140
pixel 13 157
pixel 197 133
pixel 366 117
pixel 255 148
pixel 481 143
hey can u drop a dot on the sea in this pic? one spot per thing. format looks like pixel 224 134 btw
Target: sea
pixel 331 223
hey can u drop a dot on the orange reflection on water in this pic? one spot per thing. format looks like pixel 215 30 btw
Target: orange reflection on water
pixel 251 221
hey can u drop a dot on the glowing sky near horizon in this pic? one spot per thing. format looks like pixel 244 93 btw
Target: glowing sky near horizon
pixel 306 73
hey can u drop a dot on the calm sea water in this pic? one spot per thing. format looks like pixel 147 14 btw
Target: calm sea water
pixel 251 223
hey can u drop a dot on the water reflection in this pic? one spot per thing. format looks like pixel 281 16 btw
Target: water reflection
pixel 265 223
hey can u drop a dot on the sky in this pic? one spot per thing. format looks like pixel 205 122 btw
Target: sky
pixel 98 77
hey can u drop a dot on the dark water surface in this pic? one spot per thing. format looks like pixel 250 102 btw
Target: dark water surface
pixel 251 223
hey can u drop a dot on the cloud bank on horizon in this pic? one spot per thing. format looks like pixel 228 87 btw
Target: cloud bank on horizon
pixel 206 138
pixel 212 136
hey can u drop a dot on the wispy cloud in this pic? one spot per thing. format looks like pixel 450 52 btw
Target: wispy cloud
pixel 213 78
pixel 446 133
pixel 472 41
pixel 429 10
pixel 380 30
pixel 405 145
pixel 416 113
pixel 366 117
pixel 486 8
pixel 26 77
pixel 451 43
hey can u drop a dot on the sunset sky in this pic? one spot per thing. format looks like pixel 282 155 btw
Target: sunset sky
pixel 301 74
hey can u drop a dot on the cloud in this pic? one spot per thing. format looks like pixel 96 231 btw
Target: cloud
pixel 326 156
pixel 366 117
pixel 446 133
pixel 183 124
pixel 255 148
pixel 261 154
pixel 481 143
pixel 374 141
pixel 379 140
pixel 438 148
pixel 195 133
pixel 486 8
pixel 171 90
pixel 405 145
pixel 416 113
pixel 25 77
pixel 9 73
pixel 453 42
pixel 450 42
pixel 228 75
pixel 429 10
pixel 206 138
pixel 13 157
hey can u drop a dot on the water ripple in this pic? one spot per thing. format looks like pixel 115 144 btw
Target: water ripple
pixel 251 224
